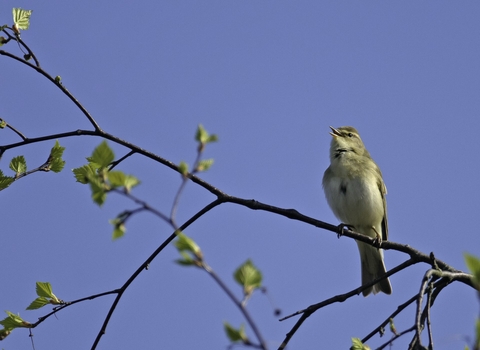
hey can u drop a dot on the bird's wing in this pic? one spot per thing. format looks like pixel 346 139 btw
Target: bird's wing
pixel 383 192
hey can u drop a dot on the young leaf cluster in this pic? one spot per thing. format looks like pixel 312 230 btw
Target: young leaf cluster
pixel 11 322
pixel 18 165
pixel 96 173
pixel 21 21
pixel 55 162
pixel 203 138
pixel 247 275
pixel 118 223
pixel 189 250
pixel 45 296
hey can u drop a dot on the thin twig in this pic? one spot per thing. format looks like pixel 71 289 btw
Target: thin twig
pixel 436 287
pixel 143 205
pixel 418 313
pixel 429 325
pixel 399 309
pixel 145 264
pixel 305 313
pixel 342 297
pixel 23 137
pixel 383 346
pixel 30 52
pixel 115 163
pixel 57 83
pixel 238 303
pixel 176 201
pixel 43 167
pixel 70 303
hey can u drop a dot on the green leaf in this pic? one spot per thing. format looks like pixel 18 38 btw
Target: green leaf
pixel 183 168
pixel 212 138
pixel 84 173
pixel 473 265
pixel 235 335
pixel 358 345
pixel 21 18
pixel 55 159
pixel 248 276
pixel 119 225
pixel 117 178
pixel 102 155
pixel 98 189
pixel 14 321
pixel 44 289
pixel 57 165
pixel 5 181
pixel 57 150
pixel 201 135
pixel 130 182
pixel 119 231
pixel 187 260
pixel 18 165
pixel 205 164
pixel 185 243
pixel 38 303
pixel 120 179
pixel 96 176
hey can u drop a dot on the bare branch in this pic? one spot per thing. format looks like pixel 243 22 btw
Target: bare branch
pixel 115 163
pixel 23 137
pixel 57 83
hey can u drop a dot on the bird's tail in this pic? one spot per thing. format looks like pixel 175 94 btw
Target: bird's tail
pixel 372 268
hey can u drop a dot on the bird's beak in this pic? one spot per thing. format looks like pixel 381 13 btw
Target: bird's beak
pixel 335 132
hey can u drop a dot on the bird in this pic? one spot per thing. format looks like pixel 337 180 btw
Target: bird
pixel 355 191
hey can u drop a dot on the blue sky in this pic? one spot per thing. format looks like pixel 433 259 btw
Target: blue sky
pixel 268 77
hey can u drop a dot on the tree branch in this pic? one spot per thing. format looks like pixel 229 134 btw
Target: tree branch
pixel 239 304
pixel 145 265
pixel 56 82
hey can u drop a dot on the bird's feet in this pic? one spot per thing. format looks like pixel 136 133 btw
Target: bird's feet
pixel 378 240
pixel 341 227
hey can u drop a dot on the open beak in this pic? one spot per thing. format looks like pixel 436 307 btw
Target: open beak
pixel 335 132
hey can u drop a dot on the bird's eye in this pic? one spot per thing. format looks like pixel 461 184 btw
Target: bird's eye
pixel 350 134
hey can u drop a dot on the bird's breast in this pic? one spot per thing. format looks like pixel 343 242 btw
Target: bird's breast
pixel 355 201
